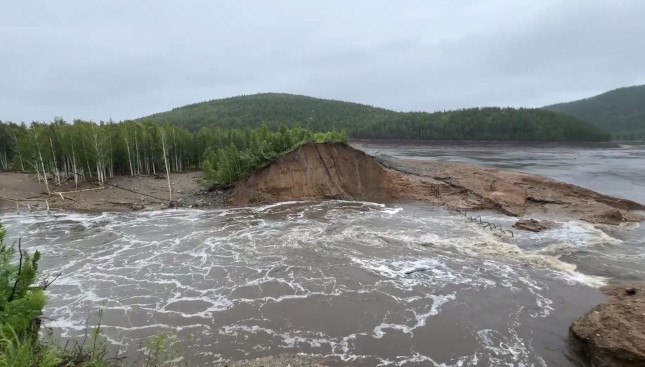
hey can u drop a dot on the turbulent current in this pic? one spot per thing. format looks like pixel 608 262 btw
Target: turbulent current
pixel 359 283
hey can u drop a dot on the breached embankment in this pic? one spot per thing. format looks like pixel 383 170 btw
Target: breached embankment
pixel 333 171
pixel 337 171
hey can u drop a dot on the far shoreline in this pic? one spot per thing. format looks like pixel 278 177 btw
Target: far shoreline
pixel 492 143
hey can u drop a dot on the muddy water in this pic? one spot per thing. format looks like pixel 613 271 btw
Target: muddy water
pixel 358 283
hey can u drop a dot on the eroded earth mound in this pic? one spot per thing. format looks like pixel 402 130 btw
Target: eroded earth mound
pixel 338 171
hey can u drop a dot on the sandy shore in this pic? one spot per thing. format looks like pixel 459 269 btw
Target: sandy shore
pixel 123 193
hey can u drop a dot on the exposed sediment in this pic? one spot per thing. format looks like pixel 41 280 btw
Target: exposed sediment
pixel 613 333
pixel 23 192
pixel 337 171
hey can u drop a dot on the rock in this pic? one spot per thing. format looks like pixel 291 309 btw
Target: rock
pixel 613 333
pixel 534 225
pixel 614 217
pixel 136 206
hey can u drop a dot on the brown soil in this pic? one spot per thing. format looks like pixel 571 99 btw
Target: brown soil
pixel 534 225
pixel 613 333
pixel 336 171
pixel 329 171
pixel 133 193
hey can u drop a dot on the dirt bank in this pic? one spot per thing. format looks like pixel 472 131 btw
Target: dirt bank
pixel 130 193
pixel 330 171
pixel 335 171
pixel 613 333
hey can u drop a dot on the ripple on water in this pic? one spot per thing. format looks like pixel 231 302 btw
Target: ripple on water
pixel 355 281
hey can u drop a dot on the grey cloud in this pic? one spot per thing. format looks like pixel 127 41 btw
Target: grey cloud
pixel 121 59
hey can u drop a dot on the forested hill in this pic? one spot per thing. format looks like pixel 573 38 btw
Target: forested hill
pixel 620 111
pixel 273 109
pixel 366 122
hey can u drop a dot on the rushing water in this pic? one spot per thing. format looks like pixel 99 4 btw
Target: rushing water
pixel 360 283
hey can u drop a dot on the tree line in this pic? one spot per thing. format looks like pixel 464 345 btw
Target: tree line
pixel 367 122
pixel 491 124
pixel 88 151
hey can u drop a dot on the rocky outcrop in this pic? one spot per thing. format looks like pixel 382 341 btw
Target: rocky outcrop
pixel 338 171
pixel 521 194
pixel 613 333
pixel 534 225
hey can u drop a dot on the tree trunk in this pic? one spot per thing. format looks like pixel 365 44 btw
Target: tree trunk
pixel 55 167
pixel 42 162
pixel 127 145
pixel 165 160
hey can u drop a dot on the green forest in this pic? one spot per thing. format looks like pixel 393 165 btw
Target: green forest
pixel 88 151
pixel 620 111
pixel 366 122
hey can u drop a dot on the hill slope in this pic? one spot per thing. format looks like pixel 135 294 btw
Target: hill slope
pixel 621 111
pixel 274 109
pixel 367 122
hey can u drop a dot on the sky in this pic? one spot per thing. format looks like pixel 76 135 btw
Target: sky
pixel 123 59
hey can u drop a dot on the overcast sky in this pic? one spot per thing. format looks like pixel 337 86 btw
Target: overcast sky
pixel 124 59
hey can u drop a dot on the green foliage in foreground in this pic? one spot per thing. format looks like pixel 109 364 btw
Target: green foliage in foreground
pixel 232 162
pixel 21 304
pixel 367 122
